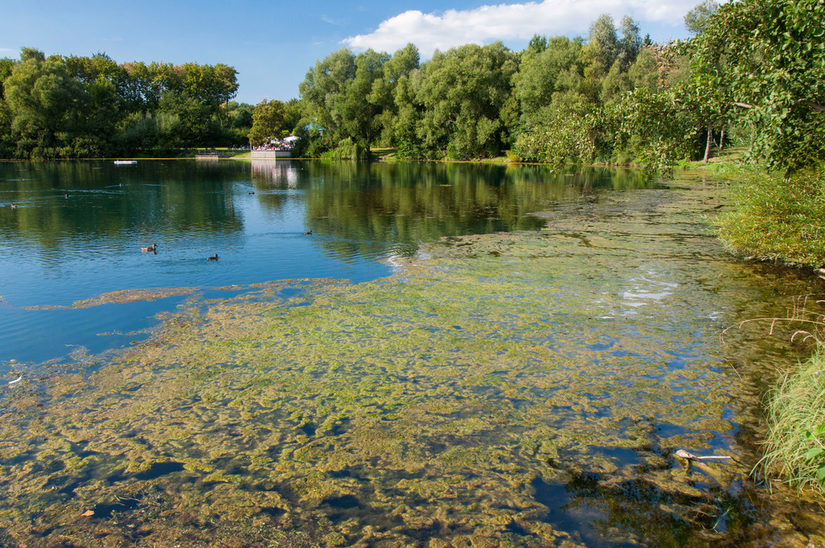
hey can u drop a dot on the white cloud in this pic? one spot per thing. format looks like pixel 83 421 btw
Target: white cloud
pixel 431 31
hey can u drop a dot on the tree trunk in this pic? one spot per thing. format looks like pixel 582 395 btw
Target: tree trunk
pixel 722 140
pixel 709 142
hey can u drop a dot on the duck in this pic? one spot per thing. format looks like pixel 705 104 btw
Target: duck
pixel 213 257
pixel 153 248
pixel 308 233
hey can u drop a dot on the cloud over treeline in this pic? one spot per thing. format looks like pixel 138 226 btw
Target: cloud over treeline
pixel 431 31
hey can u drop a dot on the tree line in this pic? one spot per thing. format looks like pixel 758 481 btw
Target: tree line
pixel 70 107
pixel 753 74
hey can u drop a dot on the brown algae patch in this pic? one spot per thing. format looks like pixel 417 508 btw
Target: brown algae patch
pixel 124 296
pixel 498 393
pixel 121 297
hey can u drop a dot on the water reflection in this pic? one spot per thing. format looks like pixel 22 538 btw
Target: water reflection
pixel 419 202
pixel 78 227
pixel 274 174
pixel 74 204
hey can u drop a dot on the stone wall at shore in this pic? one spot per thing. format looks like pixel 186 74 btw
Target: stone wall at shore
pixel 270 154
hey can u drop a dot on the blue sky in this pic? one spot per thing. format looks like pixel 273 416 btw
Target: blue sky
pixel 273 44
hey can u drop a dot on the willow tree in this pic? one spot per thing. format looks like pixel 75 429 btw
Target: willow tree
pixel 463 93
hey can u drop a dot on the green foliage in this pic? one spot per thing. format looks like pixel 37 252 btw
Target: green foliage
pixel 604 40
pixel 796 439
pixel 654 129
pixel 644 72
pixel 543 73
pixel 453 106
pixel 293 114
pixel 462 92
pixel 268 122
pixel 313 142
pixel 563 139
pixel 64 107
pixel 349 95
pixel 766 58
pixel 697 19
pixel 568 93
pixel 346 149
pixel 778 218
pixel 157 133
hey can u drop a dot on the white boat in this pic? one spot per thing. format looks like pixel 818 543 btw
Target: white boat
pixel 125 162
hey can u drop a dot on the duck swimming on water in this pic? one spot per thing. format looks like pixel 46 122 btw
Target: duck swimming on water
pixel 213 257
pixel 153 248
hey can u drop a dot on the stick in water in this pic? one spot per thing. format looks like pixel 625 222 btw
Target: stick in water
pixel 681 453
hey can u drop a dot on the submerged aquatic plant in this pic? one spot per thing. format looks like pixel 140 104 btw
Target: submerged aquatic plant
pixel 497 393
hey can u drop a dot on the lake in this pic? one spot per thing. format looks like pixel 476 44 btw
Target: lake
pixel 382 354
pixel 79 227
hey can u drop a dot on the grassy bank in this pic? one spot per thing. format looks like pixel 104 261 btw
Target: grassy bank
pixel 777 218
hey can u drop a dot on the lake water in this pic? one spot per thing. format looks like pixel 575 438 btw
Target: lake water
pixel 79 227
pixel 493 375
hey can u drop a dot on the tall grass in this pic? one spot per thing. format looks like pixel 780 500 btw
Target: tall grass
pixel 796 416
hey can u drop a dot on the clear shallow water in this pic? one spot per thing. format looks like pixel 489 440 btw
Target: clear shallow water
pixel 524 388
pixel 79 227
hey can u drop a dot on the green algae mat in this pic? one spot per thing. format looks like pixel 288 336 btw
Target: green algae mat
pixel 523 389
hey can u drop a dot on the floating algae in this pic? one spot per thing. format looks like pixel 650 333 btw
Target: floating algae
pixel 121 297
pixel 524 389
pixel 153 294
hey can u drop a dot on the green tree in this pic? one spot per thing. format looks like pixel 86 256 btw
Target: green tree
pixel 604 40
pixel 359 107
pixel 293 114
pixel 697 18
pixel 6 68
pixel 268 122
pixel 43 101
pixel 770 57
pixel 631 42
pixel 383 92
pixel 463 92
pixel 194 93
pixel 544 73
pixel 645 72
pixel 322 87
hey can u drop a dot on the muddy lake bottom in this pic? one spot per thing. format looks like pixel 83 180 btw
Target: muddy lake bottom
pixel 527 388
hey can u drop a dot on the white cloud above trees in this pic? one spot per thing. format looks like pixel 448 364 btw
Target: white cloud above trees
pixel 431 31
